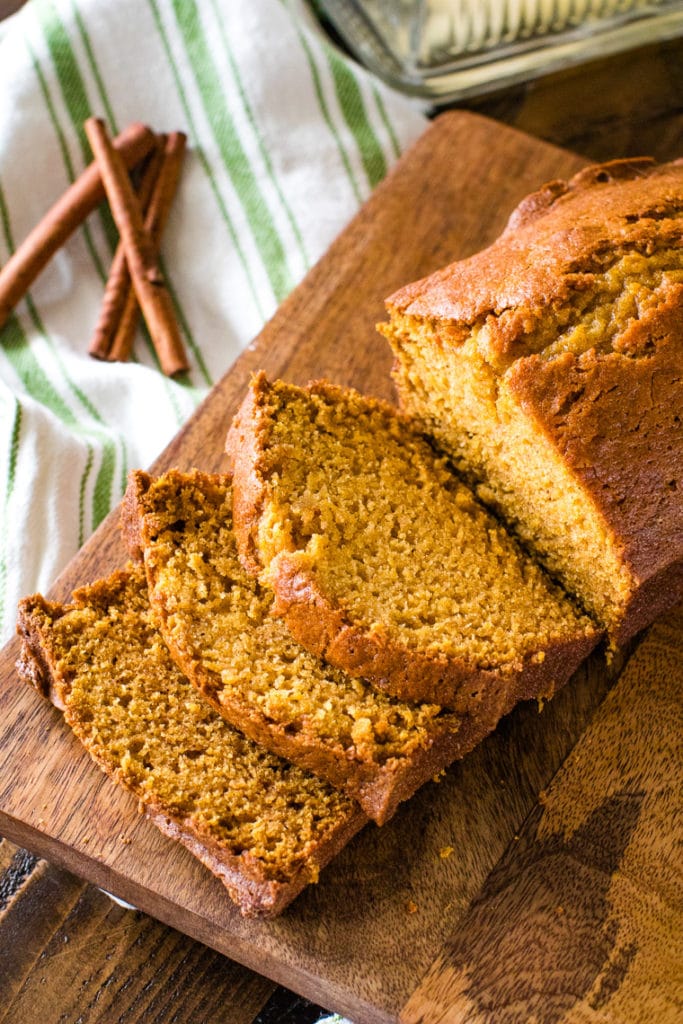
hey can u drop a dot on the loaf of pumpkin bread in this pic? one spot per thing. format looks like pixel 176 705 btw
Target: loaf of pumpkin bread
pixel 550 368
pixel 263 826
pixel 381 560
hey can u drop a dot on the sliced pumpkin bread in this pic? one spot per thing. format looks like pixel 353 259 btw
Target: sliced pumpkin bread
pixel 262 825
pixel 218 624
pixel 382 561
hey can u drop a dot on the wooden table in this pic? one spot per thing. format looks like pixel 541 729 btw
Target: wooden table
pixel 67 952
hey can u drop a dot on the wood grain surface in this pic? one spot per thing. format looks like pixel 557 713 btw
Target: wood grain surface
pixel 124 964
pixel 402 900
pixel 581 920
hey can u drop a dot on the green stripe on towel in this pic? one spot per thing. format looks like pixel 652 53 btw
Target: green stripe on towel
pixel 9 489
pixel 235 160
pixel 201 155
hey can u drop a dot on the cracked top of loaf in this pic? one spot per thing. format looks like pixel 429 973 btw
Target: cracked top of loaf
pixel 603 230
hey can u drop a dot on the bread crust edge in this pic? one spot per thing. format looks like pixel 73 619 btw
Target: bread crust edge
pixel 254 894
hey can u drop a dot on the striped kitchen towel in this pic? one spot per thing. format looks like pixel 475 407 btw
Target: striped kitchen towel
pixel 286 140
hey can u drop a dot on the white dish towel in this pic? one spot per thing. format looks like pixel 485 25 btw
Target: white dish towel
pixel 286 140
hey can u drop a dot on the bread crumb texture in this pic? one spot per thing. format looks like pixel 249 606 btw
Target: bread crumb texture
pixel 142 721
pixel 393 537
pixel 216 615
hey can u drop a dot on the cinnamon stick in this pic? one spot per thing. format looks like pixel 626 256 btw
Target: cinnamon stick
pixel 79 200
pixel 155 221
pixel 148 282
pixel 118 288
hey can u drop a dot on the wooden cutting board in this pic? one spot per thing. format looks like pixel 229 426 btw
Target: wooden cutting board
pixel 538 879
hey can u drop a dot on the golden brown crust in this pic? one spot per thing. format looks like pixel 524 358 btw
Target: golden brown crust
pixel 616 420
pixel 323 628
pixel 553 243
pixel 130 518
pixel 242 446
pixel 253 892
pixel 33 665
pixel 255 895
pixel 410 675
pixel 264 898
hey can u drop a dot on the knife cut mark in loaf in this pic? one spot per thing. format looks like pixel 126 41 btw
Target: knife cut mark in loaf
pixel 382 561
pixel 263 826
pixel 217 622
pixel 550 368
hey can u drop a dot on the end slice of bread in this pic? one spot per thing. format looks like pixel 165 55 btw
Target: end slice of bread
pixel 382 561
pixel 262 825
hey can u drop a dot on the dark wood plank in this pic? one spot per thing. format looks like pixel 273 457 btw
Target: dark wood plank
pixel 34 898
pixel 629 104
pixel 284 1007
pixel 361 939
pixel 67 952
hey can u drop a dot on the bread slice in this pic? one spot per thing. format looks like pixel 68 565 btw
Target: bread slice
pixel 550 368
pixel 217 622
pixel 382 561
pixel 263 826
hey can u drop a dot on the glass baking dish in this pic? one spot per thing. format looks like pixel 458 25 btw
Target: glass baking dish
pixel 443 50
